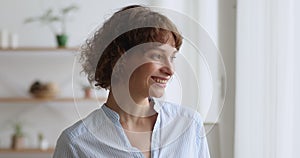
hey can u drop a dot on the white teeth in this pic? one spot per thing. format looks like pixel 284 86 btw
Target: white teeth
pixel 160 81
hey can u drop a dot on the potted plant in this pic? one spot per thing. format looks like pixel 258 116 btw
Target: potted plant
pixel 49 19
pixel 18 136
pixel 43 143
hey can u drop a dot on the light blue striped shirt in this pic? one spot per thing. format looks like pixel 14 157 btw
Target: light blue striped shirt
pixel 178 133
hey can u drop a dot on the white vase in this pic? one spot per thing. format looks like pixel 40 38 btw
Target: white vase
pixel 43 144
pixel 3 38
pixel 13 40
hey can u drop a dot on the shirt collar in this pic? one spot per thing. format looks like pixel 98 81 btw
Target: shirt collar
pixel 114 116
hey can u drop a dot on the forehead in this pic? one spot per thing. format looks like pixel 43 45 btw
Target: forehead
pixel 139 55
pixel 169 38
pixel 168 46
pixel 165 48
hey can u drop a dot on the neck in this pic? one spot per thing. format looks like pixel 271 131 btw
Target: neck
pixel 129 110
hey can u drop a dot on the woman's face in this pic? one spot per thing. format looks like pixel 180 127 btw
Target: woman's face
pixel 152 71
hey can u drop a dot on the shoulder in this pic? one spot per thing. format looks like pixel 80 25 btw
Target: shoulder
pixel 81 127
pixel 173 110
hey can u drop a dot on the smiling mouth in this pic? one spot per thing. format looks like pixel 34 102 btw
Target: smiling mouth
pixel 160 80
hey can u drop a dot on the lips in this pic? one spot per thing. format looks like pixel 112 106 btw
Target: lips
pixel 160 81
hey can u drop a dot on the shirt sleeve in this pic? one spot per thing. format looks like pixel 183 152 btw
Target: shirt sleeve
pixel 64 148
pixel 202 143
pixel 204 151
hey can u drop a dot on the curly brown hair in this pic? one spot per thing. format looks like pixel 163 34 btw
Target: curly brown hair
pixel 128 27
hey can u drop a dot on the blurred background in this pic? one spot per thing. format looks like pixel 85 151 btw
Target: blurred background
pixel 238 67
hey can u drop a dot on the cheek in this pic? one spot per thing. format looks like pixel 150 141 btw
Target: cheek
pixel 145 71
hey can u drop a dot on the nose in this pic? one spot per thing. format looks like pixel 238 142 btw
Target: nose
pixel 168 68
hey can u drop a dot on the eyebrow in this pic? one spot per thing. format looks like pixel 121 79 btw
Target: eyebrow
pixel 163 50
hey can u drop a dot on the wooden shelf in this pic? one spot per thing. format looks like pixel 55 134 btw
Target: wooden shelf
pixel 29 150
pixel 30 100
pixel 38 49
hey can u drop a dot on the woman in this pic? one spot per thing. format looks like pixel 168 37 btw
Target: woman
pixel 132 56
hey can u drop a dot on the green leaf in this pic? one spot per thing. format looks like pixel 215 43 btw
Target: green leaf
pixel 29 20
pixel 49 17
pixel 69 9
pixel 48 12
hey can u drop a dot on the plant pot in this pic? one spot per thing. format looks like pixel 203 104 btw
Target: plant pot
pixel 43 144
pixel 17 142
pixel 61 40
pixel 87 93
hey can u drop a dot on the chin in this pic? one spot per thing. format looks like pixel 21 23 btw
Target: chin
pixel 156 93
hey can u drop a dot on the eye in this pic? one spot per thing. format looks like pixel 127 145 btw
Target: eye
pixel 172 58
pixel 156 56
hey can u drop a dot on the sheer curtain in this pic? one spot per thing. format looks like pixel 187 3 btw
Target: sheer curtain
pixel 267 74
